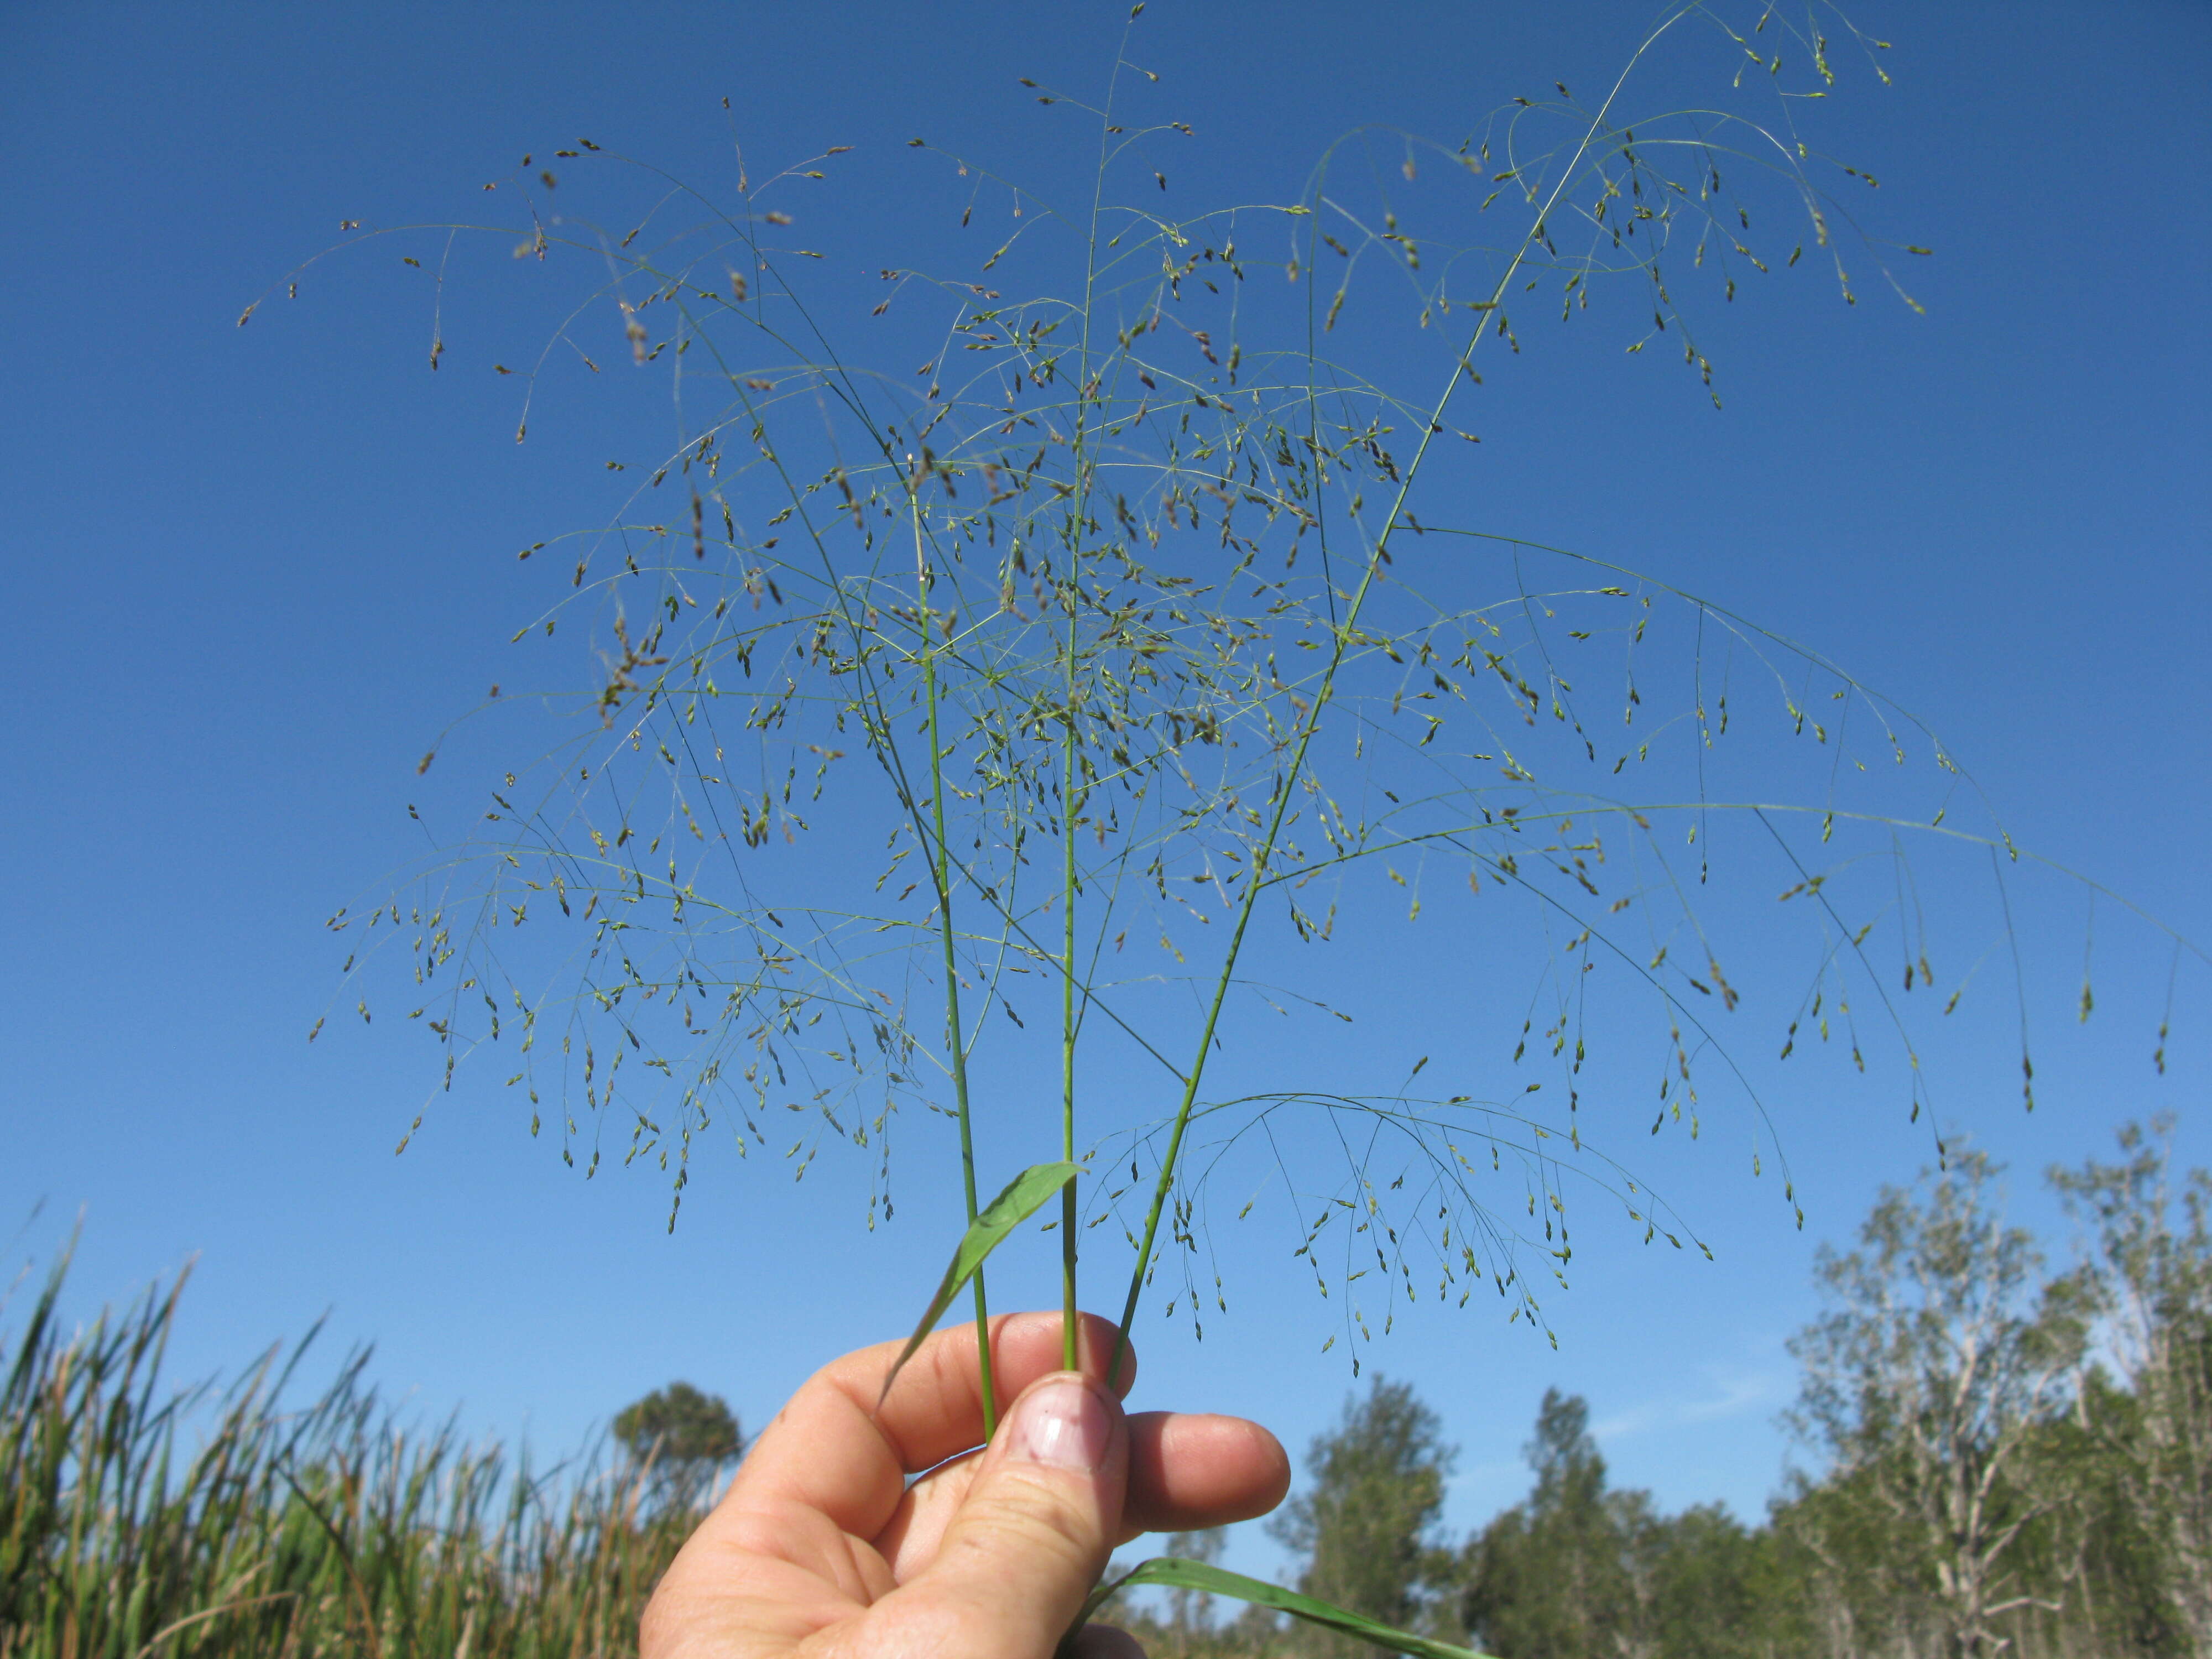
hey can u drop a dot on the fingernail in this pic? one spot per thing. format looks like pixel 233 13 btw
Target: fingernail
pixel 1061 1422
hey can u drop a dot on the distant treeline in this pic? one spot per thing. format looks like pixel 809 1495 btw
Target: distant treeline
pixel 2016 1458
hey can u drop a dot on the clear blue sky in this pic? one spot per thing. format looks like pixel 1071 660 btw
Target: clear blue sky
pixel 252 573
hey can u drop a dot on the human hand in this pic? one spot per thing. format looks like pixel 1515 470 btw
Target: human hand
pixel 821 1547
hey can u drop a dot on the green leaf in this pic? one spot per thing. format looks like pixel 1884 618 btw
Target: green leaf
pixel 1177 1574
pixel 1022 1196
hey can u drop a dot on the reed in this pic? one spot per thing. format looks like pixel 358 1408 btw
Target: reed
pixel 142 1521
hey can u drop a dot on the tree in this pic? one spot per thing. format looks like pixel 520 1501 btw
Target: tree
pixel 1717 1588
pixel 1940 1358
pixel 2150 1273
pixel 1365 1524
pixel 1860 1586
pixel 1578 1570
pixel 1567 1571
pixel 679 1439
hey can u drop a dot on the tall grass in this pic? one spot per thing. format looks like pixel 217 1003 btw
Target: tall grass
pixel 1143 633
pixel 142 1521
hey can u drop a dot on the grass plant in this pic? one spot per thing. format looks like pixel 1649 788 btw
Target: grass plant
pixel 139 1521
pixel 1141 634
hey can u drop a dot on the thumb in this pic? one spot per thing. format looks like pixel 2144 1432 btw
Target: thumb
pixel 1033 1534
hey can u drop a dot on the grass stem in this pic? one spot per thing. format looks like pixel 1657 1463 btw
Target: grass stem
pixel 956 1034
pixel 1343 635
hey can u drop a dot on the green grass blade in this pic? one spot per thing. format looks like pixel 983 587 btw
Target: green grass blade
pixel 1022 1196
pixel 1174 1573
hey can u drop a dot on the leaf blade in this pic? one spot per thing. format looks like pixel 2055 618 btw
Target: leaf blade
pixel 1021 1198
pixel 1175 1573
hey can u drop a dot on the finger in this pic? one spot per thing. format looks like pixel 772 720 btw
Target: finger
pixel 1032 1536
pixel 1191 1470
pixel 1185 1472
pixel 831 1451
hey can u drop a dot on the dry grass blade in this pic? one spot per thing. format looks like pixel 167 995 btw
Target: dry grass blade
pixel 178 1626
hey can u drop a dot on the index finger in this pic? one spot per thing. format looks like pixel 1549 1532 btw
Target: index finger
pixel 830 1450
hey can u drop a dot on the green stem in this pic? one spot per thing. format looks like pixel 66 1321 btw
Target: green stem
pixel 1069 1358
pixel 956 1035
pixel 1345 633
pixel 1068 1214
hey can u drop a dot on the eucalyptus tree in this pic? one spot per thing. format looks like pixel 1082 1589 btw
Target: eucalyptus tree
pixel 1942 1355
pixel 2149 1268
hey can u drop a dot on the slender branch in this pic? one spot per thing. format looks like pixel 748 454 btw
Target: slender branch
pixel 1069 1210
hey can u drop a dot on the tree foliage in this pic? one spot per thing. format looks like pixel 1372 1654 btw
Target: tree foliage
pixel 1939 1360
pixel 1365 1524
pixel 682 1437
pixel 2152 1261
pixel 1559 1574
